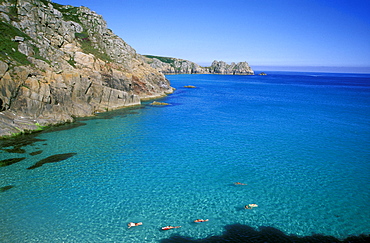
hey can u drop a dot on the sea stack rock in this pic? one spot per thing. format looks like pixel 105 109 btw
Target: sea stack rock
pixel 241 68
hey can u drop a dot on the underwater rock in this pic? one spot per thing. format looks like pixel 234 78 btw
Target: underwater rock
pixel 52 159
pixel 7 162
pixel 5 188
pixel 36 152
pixel 15 150
pixel 18 142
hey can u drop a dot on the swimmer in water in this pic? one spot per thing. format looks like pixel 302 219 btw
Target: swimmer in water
pixel 250 206
pixel 170 227
pixel 200 220
pixel 131 224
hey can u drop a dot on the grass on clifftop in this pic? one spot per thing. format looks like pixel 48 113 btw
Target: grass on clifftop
pixel 70 13
pixel 169 60
pixel 8 47
pixel 87 46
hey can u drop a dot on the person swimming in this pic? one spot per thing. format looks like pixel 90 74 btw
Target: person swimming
pixel 239 183
pixel 200 220
pixel 250 206
pixel 131 224
pixel 170 227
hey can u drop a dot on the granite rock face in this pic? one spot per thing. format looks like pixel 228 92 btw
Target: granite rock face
pixel 59 62
pixel 169 65
pixel 240 68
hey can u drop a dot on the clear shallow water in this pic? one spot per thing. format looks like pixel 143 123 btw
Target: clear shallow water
pixel 301 141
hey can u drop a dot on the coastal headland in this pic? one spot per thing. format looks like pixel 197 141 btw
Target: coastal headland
pixel 169 65
pixel 59 62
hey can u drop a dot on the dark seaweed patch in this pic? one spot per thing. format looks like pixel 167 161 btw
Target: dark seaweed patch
pixel 7 162
pixel 15 150
pixel 5 188
pixel 20 141
pixel 36 152
pixel 52 159
pixel 63 127
pixel 17 143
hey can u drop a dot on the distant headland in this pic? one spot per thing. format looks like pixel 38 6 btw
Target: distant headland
pixel 170 65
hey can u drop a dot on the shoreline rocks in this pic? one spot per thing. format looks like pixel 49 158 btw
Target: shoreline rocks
pixel 157 103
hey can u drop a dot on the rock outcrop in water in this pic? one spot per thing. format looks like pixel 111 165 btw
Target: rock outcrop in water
pixel 169 65
pixel 59 62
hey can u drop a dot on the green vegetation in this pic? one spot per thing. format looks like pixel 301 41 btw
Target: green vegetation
pixel 84 36
pixel 37 54
pixel 168 60
pixel 8 47
pixel 70 13
pixel 40 127
pixel 13 12
pixel 46 2
pixel 72 62
pixel 87 47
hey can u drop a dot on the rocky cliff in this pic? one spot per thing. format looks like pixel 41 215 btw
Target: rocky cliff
pixel 169 65
pixel 59 62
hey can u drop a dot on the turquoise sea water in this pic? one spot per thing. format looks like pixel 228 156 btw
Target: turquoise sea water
pixel 300 141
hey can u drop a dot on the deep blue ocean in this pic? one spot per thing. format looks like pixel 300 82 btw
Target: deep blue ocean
pixel 300 141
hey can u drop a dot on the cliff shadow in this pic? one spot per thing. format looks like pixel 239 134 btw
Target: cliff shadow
pixel 246 234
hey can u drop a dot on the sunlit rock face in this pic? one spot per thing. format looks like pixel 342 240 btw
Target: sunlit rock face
pixel 58 62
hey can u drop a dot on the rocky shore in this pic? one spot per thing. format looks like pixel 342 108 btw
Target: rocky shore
pixel 60 62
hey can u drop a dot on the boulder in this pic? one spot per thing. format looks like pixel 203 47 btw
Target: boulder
pixel 159 103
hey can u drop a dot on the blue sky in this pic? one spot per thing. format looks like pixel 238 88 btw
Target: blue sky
pixel 263 33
